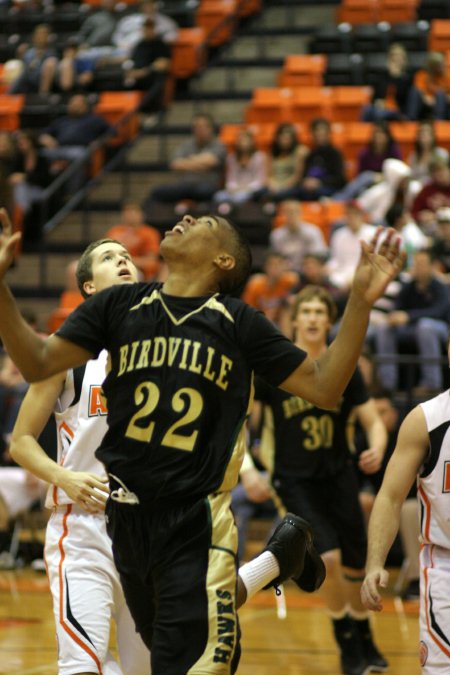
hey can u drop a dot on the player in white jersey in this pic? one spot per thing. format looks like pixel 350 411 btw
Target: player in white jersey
pixel 422 451
pixel 84 582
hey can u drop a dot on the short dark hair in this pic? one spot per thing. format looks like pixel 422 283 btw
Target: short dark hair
pixel 232 281
pixel 320 293
pixel 84 267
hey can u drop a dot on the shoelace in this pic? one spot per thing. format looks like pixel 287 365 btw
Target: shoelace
pixel 123 494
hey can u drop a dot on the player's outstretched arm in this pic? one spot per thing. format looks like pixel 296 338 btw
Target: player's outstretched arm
pixel 323 381
pixel 86 489
pixel 36 357
pixel 408 456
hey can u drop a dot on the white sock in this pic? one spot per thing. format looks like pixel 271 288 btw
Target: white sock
pixel 259 572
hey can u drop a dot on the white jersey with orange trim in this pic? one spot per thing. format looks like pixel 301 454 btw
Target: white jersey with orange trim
pixel 80 415
pixel 433 487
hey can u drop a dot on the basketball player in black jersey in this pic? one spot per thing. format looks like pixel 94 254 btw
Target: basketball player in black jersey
pixel 307 451
pixel 183 355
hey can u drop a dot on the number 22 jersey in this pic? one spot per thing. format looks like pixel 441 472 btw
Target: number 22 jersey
pixel 180 385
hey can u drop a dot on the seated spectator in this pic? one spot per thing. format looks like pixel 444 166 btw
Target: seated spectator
pixel 390 94
pixel 75 70
pixel 428 97
pixel 392 189
pixel 323 174
pixel 296 238
pixel 425 151
pixel 199 163
pixel 285 164
pixel 267 291
pixel 67 137
pixel 8 157
pixel 148 66
pixel 30 174
pixel 433 196
pixel 39 64
pixel 412 237
pixel 440 248
pixel 345 246
pixel 420 316
pixel 245 173
pixel 98 27
pixel 141 240
pixel 129 29
pixel 370 162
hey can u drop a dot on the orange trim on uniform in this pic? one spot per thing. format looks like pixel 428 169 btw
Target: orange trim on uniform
pixel 434 637
pixel 427 505
pixel 62 622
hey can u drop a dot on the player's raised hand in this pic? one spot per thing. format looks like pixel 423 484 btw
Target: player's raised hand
pixel 381 261
pixel 8 242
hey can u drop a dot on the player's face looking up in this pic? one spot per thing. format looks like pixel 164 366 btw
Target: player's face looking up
pixel 312 322
pixel 111 264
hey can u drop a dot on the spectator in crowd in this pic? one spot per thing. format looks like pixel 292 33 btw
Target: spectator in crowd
pixel 285 164
pixel 370 162
pixel 345 246
pixel 98 27
pixel 199 163
pixel 296 238
pixel 324 165
pixel 8 155
pixel 268 290
pixel 141 240
pixel 429 95
pixel 245 173
pixel 433 196
pixel 67 137
pixel 39 64
pixel 148 66
pixel 425 151
pixel 129 30
pixel 390 95
pixel 30 174
pixel 75 69
pixel 392 189
pixel 420 316
pixel 412 236
pixel 440 248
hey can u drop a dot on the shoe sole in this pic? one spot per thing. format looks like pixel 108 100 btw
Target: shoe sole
pixel 319 570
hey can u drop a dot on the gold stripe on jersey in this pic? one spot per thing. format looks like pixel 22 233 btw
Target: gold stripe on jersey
pixel 211 303
pixel 267 446
pixel 221 583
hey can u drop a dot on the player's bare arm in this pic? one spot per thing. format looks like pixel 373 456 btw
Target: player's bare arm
pixel 323 381
pixel 409 454
pixel 86 489
pixel 37 358
pixel 370 460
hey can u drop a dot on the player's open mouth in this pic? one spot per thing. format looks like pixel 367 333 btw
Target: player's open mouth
pixel 178 229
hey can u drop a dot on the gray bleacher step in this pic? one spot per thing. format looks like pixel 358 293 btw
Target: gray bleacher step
pixel 26 273
pixel 237 79
pixel 222 111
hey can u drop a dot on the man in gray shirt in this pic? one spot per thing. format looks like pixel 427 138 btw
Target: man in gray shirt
pixel 199 163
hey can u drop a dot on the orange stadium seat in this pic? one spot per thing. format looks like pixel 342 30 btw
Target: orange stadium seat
pixel 358 11
pixel 439 35
pixel 113 105
pixel 442 131
pixel 311 102
pixel 270 105
pixel 10 107
pixel 211 14
pixel 405 134
pixel 188 52
pixel 249 7
pixel 347 102
pixel 397 11
pixel 303 70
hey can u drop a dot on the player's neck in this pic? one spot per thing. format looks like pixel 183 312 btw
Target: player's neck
pixel 185 285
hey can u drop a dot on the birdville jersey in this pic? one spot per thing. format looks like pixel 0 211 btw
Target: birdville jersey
pixel 180 384
pixel 433 487
pixel 298 439
pixel 80 415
